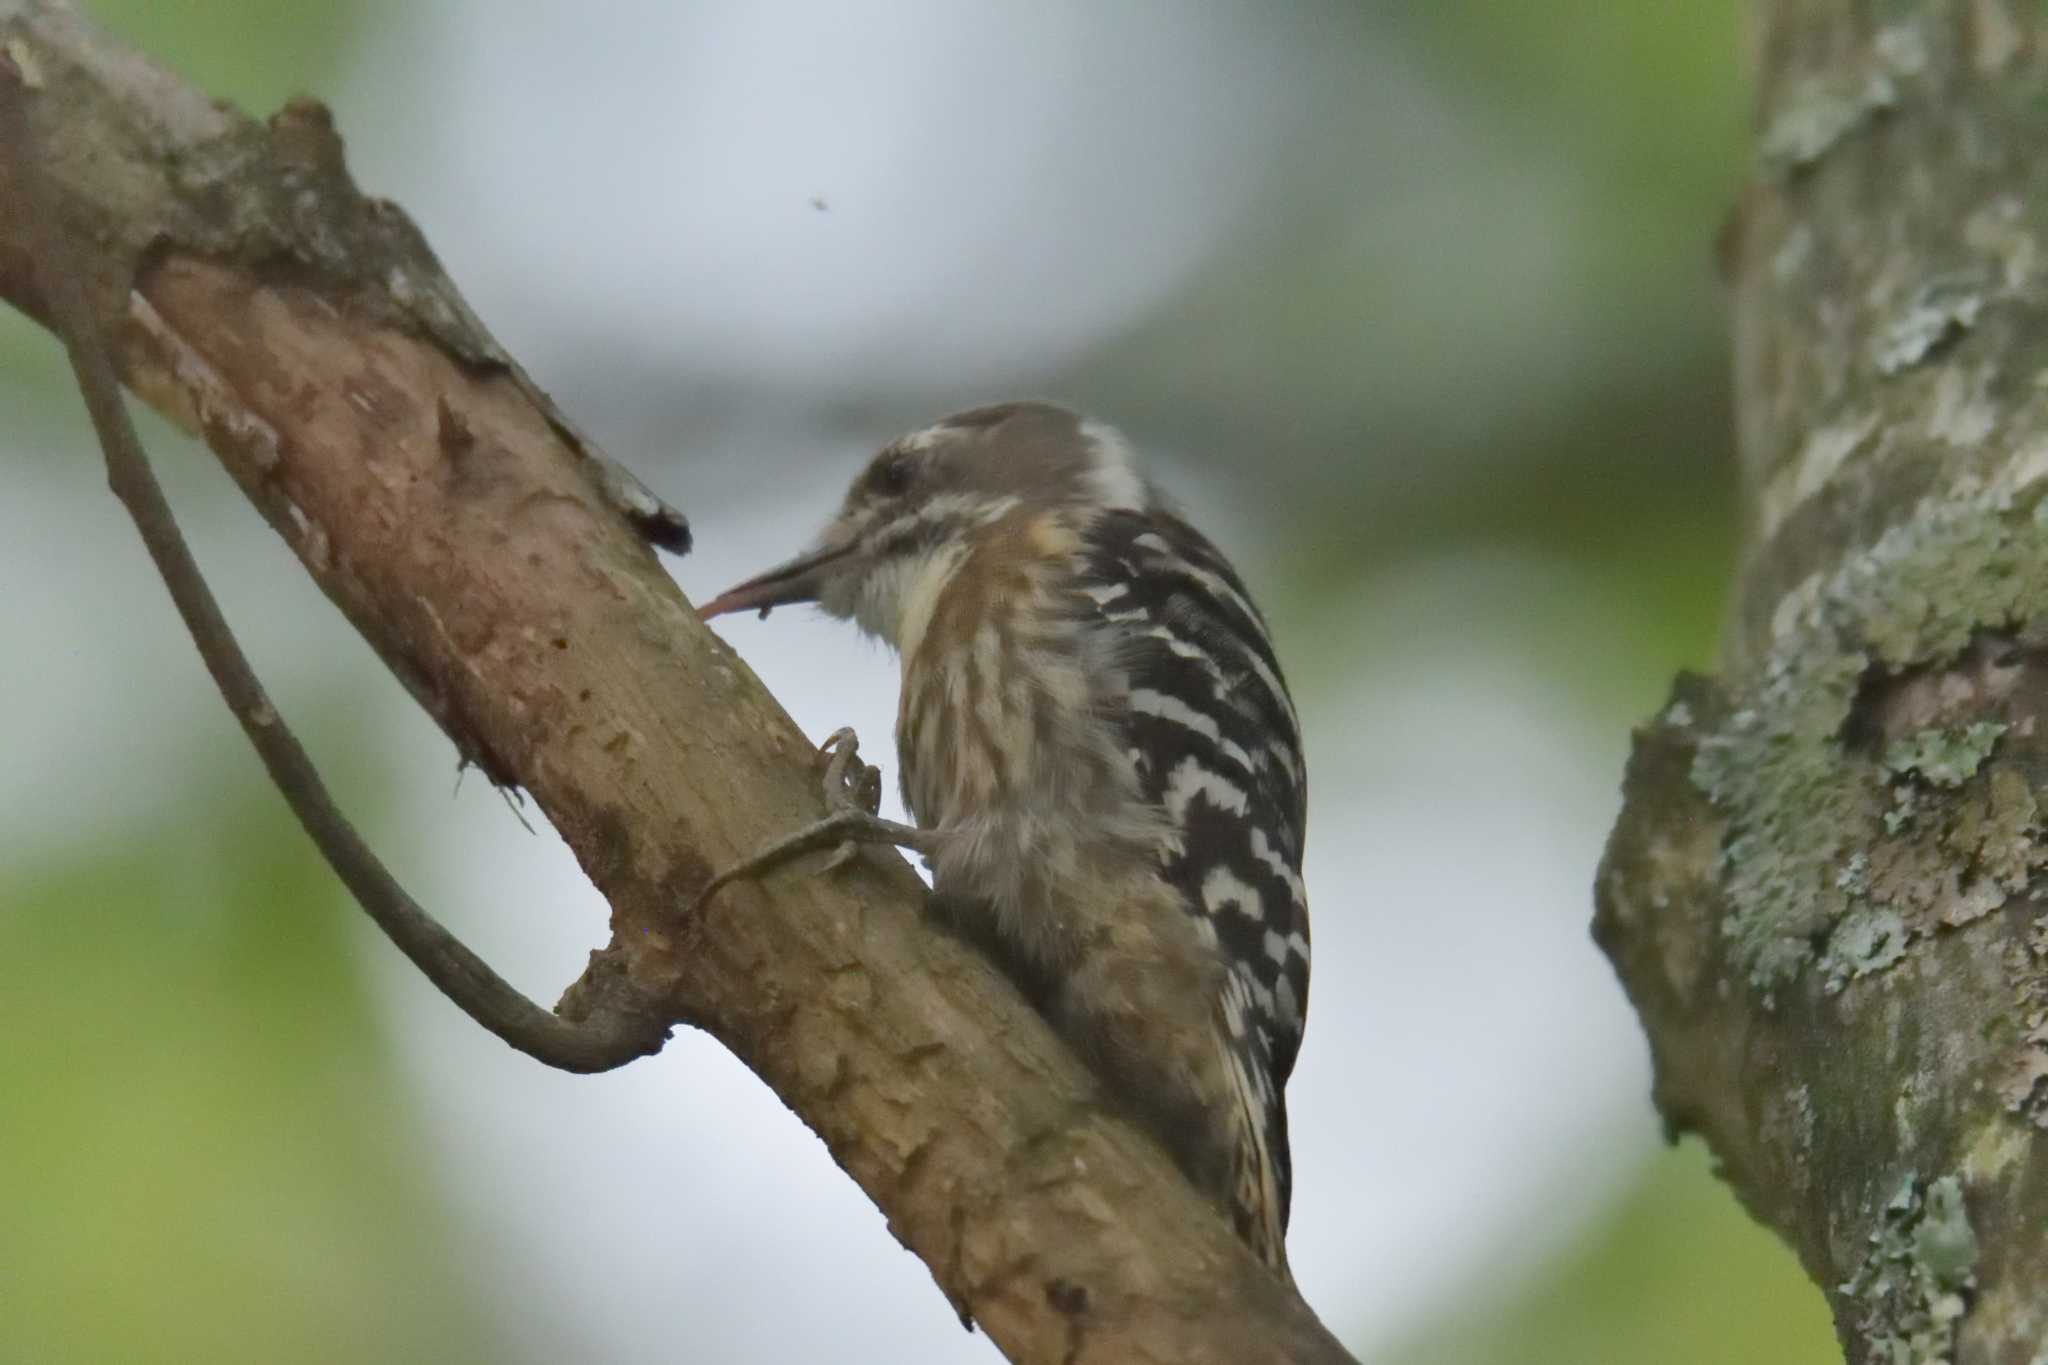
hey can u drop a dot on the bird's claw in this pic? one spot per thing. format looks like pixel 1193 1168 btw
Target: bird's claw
pixel 849 783
pixel 853 796
pixel 851 787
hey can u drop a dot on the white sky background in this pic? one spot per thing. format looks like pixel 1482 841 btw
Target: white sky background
pixel 1005 187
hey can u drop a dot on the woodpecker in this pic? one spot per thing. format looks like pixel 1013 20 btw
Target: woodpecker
pixel 1104 764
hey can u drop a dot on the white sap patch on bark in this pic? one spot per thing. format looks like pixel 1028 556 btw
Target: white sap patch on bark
pixel 2027 464
pixel 1825 451
pixel 1961 414
pixel 1787 616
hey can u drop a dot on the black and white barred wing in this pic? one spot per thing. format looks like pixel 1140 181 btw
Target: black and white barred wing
pixel 1218 748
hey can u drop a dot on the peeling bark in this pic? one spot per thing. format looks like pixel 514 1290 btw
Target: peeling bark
pixel 441 502
pixel 1824 891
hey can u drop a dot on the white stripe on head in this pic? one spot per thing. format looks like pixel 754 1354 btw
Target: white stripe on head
pixel 921 440
pixel 1113 469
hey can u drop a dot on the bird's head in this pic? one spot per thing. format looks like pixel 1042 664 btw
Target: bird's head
pixel 918 506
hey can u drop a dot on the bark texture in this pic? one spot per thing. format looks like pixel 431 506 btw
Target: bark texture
pixel 1824 894
pixel 444 505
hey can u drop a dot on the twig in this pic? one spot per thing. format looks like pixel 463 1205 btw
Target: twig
pixel 616 1031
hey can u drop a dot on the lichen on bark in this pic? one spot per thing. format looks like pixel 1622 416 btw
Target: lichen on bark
pixel 1808 812
pixel 1919 1265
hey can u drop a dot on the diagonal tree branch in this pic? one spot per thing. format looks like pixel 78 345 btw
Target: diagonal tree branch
pixel 246 289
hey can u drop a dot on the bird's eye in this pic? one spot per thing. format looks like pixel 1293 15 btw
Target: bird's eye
pixel 893 477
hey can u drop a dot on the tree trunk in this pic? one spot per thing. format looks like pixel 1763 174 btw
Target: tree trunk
pixel 1823 893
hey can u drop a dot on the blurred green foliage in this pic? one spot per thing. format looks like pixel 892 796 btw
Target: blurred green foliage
pixel 254 56
pixel 1676 1274
pixel 1646 99
pixel 204 1154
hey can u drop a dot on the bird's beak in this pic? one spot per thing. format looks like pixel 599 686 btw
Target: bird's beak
pixel 800 580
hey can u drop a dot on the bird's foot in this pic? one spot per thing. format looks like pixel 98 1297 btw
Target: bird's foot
pixel 853 795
